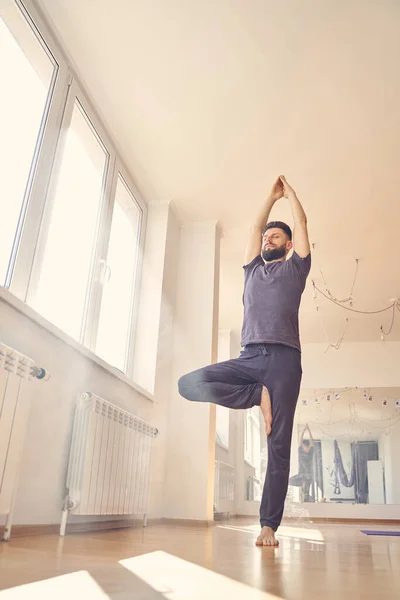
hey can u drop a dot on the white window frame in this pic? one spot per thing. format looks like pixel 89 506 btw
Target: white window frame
pixel 75 93
pixel 27 258
pixel 35 194
pixel 90 341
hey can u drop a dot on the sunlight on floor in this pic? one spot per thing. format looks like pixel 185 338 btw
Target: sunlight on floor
pixel 178 579
pixel 300 533
pixel 74 585
pixel 248 529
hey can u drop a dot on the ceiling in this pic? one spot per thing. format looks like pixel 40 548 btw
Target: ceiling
pixel 210 101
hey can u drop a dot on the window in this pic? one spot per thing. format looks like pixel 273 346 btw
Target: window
pixel 28 74
pixel 252 438
pixel 115 324
pixel 66 254
pixel 71 225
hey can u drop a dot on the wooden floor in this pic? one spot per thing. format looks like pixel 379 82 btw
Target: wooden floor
pixel 195 563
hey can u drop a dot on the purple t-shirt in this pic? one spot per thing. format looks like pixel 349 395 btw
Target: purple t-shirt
pixel 271 298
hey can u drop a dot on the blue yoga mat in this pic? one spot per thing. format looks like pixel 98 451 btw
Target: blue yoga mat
pixel 368 532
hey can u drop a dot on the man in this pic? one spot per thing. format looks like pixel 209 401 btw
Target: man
pixel 268 371
pixel 304 478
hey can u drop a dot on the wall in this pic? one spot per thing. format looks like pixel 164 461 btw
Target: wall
pixel 45 458
pixel 190 451
pixel 162 372
pixel 149 315
pixel 369 364
pixel 392 470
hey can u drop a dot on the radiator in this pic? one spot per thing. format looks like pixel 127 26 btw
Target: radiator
pixel 253 488
pixel 109 464
pixel 224 487
pixel 16 373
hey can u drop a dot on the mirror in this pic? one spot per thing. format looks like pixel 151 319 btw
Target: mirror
pixel 345 446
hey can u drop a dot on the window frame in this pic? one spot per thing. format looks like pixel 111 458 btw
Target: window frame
pixel 21 257
pixel 23 279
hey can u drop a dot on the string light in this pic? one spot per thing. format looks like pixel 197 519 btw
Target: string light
pixel 344 300
pixel 337 345
pixel 395 304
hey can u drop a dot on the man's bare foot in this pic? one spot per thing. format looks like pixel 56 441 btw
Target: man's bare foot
pixel 266 410
pixel 267 537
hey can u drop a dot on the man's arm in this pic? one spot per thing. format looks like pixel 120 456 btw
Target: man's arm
pixel 301 243
pixel 311 437
pixel 302 435
pixel 253 248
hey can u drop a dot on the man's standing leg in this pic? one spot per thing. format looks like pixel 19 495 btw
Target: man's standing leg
pixel 284 387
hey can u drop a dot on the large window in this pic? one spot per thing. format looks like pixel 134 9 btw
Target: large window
pixel 70 227
pixel 71 222
pixel 116 315
pixel 28 74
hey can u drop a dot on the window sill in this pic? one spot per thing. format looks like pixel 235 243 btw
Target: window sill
pixel 9 298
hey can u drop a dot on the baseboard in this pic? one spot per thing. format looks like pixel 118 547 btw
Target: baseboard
pixel 88 527
pixel 29 530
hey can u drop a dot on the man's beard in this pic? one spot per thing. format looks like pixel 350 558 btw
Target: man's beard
pixel 273 253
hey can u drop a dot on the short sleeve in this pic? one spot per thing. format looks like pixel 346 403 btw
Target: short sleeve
pixel 303 265
pixel 254 263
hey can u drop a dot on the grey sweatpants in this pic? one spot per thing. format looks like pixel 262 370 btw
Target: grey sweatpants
pixel 238 384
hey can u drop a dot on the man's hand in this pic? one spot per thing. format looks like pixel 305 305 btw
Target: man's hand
pixel 287 189
pixel 277 190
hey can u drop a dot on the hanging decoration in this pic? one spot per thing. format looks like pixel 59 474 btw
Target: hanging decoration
pixel 347 304
pixel 339 469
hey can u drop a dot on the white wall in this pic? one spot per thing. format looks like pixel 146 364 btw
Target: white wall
pixel 168 229
pixel 392 469
pixel 369 364
pixel 190 452
pixel 45 458
pixel 148 324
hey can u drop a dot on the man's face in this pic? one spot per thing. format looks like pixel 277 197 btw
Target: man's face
pixel 275 244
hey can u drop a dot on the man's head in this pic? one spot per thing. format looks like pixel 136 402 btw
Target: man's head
pixel 276 241
pixel 306 443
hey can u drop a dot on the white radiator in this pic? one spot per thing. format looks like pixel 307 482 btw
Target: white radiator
pixel 253 488
pixel 224 487
pixel 16 371
pixel 109 464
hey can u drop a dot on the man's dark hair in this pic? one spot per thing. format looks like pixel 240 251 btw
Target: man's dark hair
pixel 278 225
pixel 306 443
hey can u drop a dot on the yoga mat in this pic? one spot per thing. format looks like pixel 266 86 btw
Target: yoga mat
pixel 390 533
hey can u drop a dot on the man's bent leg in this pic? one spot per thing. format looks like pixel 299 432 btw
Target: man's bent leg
pixel 222 383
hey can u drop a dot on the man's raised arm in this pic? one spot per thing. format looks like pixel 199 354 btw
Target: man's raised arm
pixel 301 243
pixel 253 248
